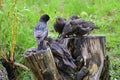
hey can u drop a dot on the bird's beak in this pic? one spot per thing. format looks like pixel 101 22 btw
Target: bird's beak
pixel 57 20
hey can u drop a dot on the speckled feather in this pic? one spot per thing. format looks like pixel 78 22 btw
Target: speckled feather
pixel 79 27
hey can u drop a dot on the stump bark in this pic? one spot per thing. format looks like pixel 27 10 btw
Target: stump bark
pixel 42 64
pixel 3 73
pixel 89 52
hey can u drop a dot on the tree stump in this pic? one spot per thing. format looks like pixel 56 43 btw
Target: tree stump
pixel 42 64
pixel 3 73
pixel 91 49
pixel 89 54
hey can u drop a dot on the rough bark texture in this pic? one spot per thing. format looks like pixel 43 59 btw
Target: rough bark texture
pixel 105 71
pixel 3 73
pixel 42 64
pixel 89 54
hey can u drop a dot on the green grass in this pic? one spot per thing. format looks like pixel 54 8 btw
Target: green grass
pixel 104 13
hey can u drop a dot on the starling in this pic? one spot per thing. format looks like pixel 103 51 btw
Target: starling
pixel 78 27
pixel 59 24
pixel 41 31
pixel 61 52
pixel 68 29
pixel 63 58
pixel 84 27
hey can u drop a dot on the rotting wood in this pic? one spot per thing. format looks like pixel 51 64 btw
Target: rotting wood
pixel 89 54
pixel 3 72
pixel 105 71
pixel 42 64
pixel 92 49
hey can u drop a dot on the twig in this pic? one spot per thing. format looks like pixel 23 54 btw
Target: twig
pixel 21 66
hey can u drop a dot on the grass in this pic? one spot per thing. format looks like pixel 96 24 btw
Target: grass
pixel 104 13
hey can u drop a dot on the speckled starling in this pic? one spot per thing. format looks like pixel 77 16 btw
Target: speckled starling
pixel 78 27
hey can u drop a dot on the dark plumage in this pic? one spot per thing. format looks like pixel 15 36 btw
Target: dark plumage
pixel 41 31
pixel 59 24
pixel 73 17
pixel 78 27
pixel 62 56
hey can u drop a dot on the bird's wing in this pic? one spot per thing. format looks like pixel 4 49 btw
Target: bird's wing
pixel 57 51
pixel 67 28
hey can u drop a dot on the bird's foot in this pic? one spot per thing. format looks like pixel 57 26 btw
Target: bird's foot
pixel 42 48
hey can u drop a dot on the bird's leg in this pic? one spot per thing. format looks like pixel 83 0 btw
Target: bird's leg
pixel 39 46
pixel 44 45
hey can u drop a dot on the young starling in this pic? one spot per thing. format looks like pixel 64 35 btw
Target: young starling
pixel 41 31
pixel 59 24
pixel 78 27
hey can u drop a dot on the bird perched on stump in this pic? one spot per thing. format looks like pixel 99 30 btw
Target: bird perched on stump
pixel 78 27
pixel 62 56
pixel 60 50
pixel 41 31
pixel 59 24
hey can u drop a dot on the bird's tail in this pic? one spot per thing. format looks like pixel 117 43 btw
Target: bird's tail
pixel 96 27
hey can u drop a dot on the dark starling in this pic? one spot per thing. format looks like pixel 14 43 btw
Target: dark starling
pixel 41 31
pixel 68 30
pixel 59 24
pixel 78 27
pixel 74 16
pixel 59 50
pixel 84 27
pixel 62 56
